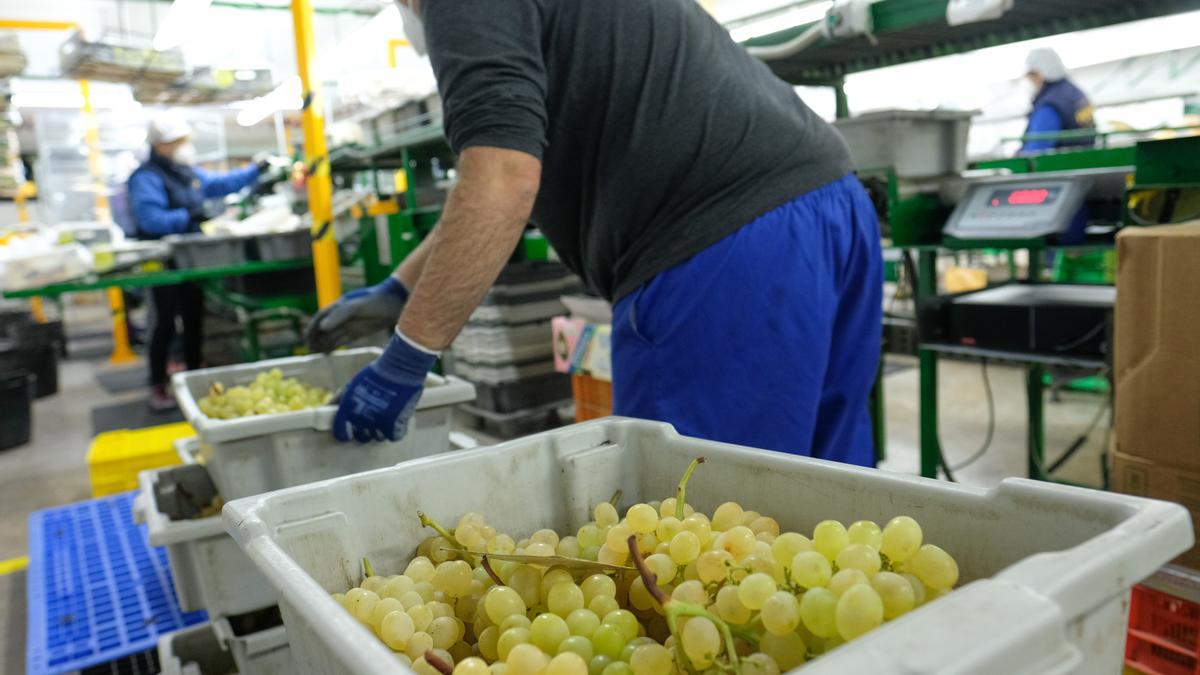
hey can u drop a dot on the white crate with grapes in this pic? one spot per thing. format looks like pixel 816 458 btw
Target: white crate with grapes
pixel 266 425
pixel 569 553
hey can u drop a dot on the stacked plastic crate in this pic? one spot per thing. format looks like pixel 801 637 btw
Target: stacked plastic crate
pixel 506 350
pixel 233 458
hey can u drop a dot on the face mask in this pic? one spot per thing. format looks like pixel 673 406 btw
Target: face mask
pixel 414 28
pixel 1026 89
pixel 185 154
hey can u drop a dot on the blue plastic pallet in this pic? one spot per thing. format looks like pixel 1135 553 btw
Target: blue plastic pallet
pixel 97 590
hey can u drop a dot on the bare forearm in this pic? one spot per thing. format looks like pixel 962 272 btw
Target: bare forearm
pixel 483 220
pixel 409 271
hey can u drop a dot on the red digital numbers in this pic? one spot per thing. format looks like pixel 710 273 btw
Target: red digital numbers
pixel 1032 196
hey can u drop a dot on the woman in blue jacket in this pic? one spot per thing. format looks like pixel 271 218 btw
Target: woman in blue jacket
pixel 1058 105
pixel 167 195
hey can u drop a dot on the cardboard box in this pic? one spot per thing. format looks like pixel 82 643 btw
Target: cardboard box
pixel 1157 345
pixel 1142 478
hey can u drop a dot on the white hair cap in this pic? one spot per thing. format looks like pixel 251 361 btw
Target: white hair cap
pixel 167 127
pixel 1047 63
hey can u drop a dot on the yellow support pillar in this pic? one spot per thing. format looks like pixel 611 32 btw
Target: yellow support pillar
pixel 316 156
pixel 122 352
pixel 35 303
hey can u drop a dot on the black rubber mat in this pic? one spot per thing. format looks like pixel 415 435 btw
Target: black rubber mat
pixel 123 379
pixel 130 415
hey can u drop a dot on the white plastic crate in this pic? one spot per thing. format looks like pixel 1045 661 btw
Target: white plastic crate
pixel 252 455
pixel 211 572
pixel 42 267
pixel 212 649
pixel 1047 568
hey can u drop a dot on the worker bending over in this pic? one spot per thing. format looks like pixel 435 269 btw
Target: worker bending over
pixel 167 195
pixel 682 180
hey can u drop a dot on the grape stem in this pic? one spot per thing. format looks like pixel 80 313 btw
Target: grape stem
pixel 426 521
pixel 487 567
pixel 616 498
pixel 681 490
pixel 367 570
pixel 436 661
pixel 676 608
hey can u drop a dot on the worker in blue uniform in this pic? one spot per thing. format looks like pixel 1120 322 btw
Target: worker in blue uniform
pixel 168 194
pixel 682 180
pixel 1058 104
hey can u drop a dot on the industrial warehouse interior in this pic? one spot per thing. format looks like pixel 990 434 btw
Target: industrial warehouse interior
pixel 558 337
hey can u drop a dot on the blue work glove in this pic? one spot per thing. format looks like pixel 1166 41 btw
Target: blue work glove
pixel 357 314
pixel 379 401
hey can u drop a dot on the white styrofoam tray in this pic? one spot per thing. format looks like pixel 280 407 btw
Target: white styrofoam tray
pixel 1047 568
pixel 210 571
pixel 213 649
pixel 252 455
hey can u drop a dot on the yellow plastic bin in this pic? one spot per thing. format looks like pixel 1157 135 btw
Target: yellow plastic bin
pixel 116 457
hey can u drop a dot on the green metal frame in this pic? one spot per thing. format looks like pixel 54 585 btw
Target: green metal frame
pixel 162 278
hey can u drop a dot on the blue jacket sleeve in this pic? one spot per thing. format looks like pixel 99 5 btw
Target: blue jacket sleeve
pixel 218 185
pixel 1042 120
pixel 148 199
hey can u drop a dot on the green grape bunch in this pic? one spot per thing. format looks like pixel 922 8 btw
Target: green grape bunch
pixel 663 590
pixel 270 393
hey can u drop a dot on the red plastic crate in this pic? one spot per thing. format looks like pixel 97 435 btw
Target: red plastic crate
pixel 1164 634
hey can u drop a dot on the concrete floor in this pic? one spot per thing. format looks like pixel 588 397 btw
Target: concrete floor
pixel 52 469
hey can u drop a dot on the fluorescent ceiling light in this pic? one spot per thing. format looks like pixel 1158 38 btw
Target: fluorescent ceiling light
pixel 180 21
pixel 285 97
pixel 782 20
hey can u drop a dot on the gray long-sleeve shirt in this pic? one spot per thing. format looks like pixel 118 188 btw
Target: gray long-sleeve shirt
pixel 659 135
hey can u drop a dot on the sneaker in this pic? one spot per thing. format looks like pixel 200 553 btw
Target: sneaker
pixel 161 399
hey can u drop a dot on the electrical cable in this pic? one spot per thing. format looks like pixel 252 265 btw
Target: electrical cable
pixel 1086 336
pixel 1081 441
pixel 991 427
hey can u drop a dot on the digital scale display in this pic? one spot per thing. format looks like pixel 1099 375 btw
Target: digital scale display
pixel 1024 196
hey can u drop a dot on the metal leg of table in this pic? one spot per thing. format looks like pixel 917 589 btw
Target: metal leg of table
pixel 930 451
pixel 879 416
pixel 1036 431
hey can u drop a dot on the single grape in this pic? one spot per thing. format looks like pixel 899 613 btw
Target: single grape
pixel 845 579
pixel 788 651
pixel 374 584
pixel 567 663
pixel 651 659
pixel 552 578
pixel 713 566
pixel 501 544
pixel 578 644
pixel 618 538
pixel 625 620
pixel 487 643
pixel 526 580
pixel 896 593
pixel 364 604
pixel 865 532
pixel 452 578
pixel 730 606
pixel 419 569
pixel 934 567
pixel 395 630
pixel 515 621
pixel 701 641
pixel 754 590
pixel 598 663
pixel 662 566
pixel 601 605
pixel 691 592
pixel 397 586
pixel 419 643
pixel 568 547
pixel 738 541
pixel 642 518
pixel 509 639
pixel 608 556
pixel 545 536
pixel 727 516
pixel 859 610
pixel 763 563
pixel 526 659
pixel 668 527
pixel 818 611
pixel 605 515
pixel 608 640
pixel 422 617
pixel 764 525
pixel 698 524
pixel 444 632
pixel 547 631
pixel 411 599
pixel 902 537
pixel 617 668
pixel 422 667
pixel 787 545
pixel 589 535
pixel 499 668
pixel 598 584
pixel 859 557
pixel 917 586
pixel 780 613
pixel 502 602
pixel 472 666
pixel 639 597
pixel 539 549
pixel 583 622
pixel 811 569
pixel 829 538
pixel 759 664
pixel 684 547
